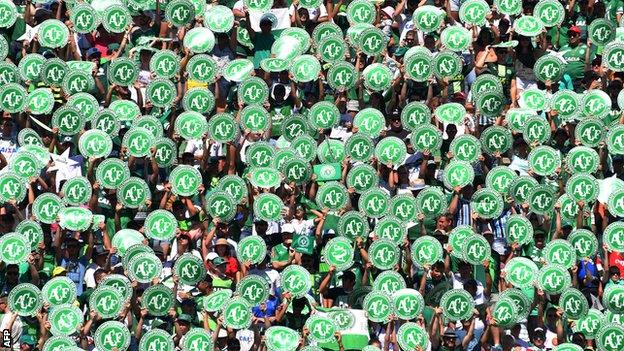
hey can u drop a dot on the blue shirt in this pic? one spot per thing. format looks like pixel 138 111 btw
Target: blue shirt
pixel 76 269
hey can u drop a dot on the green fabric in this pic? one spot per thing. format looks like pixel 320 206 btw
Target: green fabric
pixel 279 253
pixel 262 47
pixel 575 57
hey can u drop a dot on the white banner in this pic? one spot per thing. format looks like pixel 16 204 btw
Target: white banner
pixel 283 18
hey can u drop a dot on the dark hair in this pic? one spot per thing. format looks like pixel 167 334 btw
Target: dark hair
pixel 614 270
pixel 348 275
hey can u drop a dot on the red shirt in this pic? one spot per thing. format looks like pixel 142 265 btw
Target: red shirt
pixel 617 259
pixel 231 267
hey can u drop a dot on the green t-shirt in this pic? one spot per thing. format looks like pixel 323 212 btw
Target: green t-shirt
pixel 575 57
pixel 262 47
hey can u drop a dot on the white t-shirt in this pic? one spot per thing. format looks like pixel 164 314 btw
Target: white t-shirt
pixel 305 227
pixel 315 14
pixel 271 275
pixel 458 283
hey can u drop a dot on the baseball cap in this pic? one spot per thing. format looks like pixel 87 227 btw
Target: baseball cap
pixel 449 333
pixel 184 318
pixel 218 261
pixel 58 270
pixel 93 52
pixel 574 29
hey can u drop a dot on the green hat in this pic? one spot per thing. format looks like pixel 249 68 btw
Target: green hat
pixel 184 318
pixel 218 261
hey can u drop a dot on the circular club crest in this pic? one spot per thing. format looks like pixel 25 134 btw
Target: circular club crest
pixel 419 66
pixel 138 141
pixel 457 240
pixel 84 18
pixel 476 250
pixel 426 251
pixel 528 26
pixel 389 282
pixel 550 12
pixel 403 207
pixel 590 132
pixel 391 228
pixel 161 92
pixel 25 164
pixel 541 199
pixel 157 339
pixel 359 147
pixel 377 76
pixel 40 101
pixel 613 53
pixel 332 48
pixel 254 289
pixel 196 339
pixel 415 114
pixel 615 140
pixel 157 299
pixel 144 267
pixel 362 177
pixel 412 336
pixel 165 63
pixel 95 143
pixel 452 113
pixel 518 229
pixel 30 67
pixel 549 68
pixel 180 12
pixel 13 98
pixel 447 64
pixel 133 192
pixel 321 328
pixel 237 313
pixel 466 148
pixel 111 173
pixel 372 41
pixel 456 38
pixel 282 338
pixel 426 138
pixel 14 248
pixel 259 5
pixel 342 75
pixel 199 40
pixel 566 103
pixel 251 249
pixel 190 269
pixel 613 236
pixel 374 202
pixel 323 115
pixel 584 242
pixel 253 90
pixel 590 324
pixel 391 151
pixel 408 303
pixel 255 118
pixel 185 180
pixel 610 337
pixel 222 128
pixel 612 296
pixel 521 272
pixel 8 13
pixel 106 301
pixel 369 121
pixel 296 280
pixel 68 120
pixel 496 139
pixel 383 254
pixel 457 304
pixel 500 178
pixel 574 304
pixel 58 291
pixel 595 103
pixel 352 225
pixel 378 306
pixel 560 252
pixel 215 301
pixel 361 11
pixel 219 19
pixel 474 12
pixel 65 319
pixel 46 207
pixel 458 174
pixel 487 203
pixel 536 130
pixel 601 31
pixel 332 195
pixel 339 253
pixel 582 187
pixel 25 300
pixel 582 159
pixel 52 34
pixel 520 300
pixel 305 68
pixel 268 207
pixel 428 18
pixel 123 71
pixel 544 160
pixel 32 231
pixel 115 18
pixel 553 279
pixel 120 282
pixel 58 343
pixel 112 335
